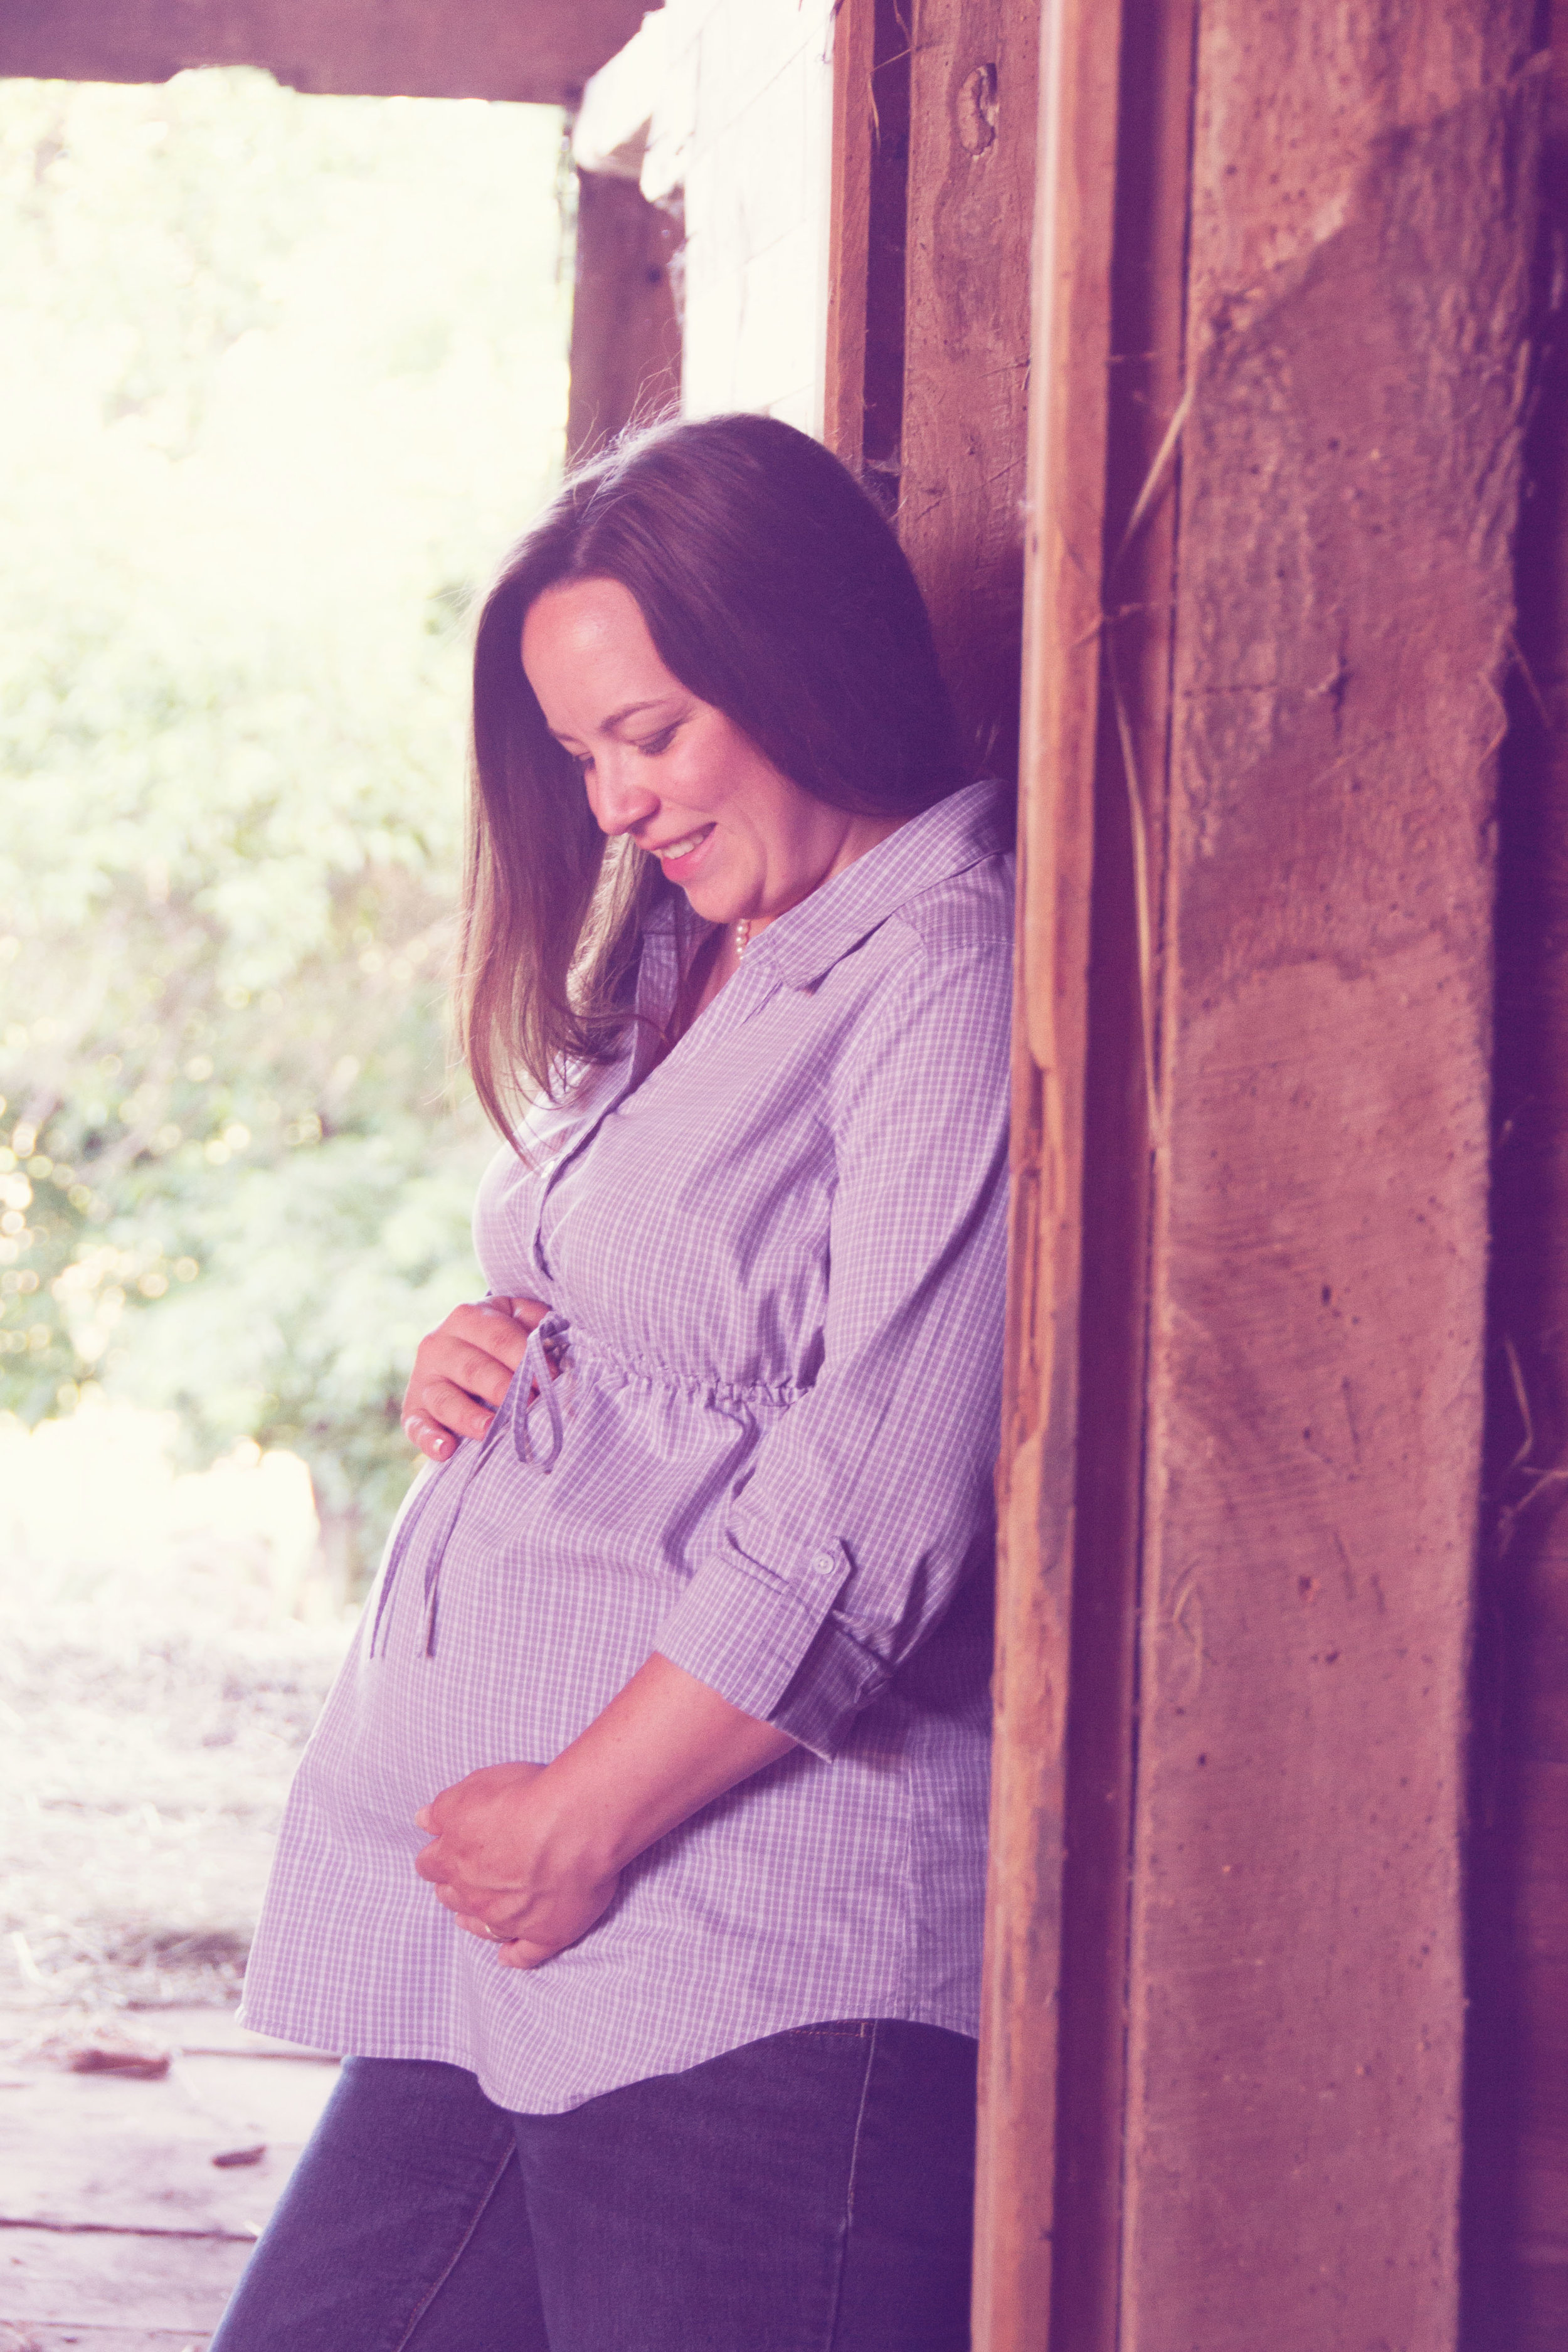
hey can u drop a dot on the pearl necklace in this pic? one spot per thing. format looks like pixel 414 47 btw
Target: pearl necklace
pixel 742 933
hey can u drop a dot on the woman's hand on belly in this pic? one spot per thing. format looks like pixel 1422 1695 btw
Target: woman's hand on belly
pixel 509 1869
pixel 463 1368
pixel 530 1855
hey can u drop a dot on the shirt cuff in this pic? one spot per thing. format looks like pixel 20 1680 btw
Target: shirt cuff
pixel 768 1643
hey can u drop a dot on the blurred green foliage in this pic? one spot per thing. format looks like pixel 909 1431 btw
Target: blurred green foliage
pixel 284 375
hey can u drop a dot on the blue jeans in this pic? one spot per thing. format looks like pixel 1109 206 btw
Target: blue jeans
pixel 808 2194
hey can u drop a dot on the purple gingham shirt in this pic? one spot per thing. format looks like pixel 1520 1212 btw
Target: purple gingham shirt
pixel 775 1265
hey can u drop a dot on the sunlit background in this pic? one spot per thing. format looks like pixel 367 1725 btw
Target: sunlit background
pixel 282 376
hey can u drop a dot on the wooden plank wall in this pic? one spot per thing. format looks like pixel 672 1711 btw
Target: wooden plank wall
pixel 1347 305
pixel 935 110
pixel 1358 311
pixel 974 112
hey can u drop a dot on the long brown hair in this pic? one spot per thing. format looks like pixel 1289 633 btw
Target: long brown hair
pixel 773 589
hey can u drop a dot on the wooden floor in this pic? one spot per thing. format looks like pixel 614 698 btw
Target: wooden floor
pixel 119 2232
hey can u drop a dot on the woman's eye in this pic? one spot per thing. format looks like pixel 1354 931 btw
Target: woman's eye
pixel 654 744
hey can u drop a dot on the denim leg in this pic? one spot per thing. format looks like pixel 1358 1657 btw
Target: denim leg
pixel 402 2229
pixel 906 2256
pixel 808 2194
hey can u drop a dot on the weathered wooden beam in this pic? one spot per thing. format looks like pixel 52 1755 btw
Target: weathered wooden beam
pixel 1357 319
pixel 849 228
pixel 935 112
pixel 1516 2106
pixel 626 326
pixel 869 235
pixel 1144 411
pixel 974 127
pixel 1306 884
pixel 540 49
pixel 1065 527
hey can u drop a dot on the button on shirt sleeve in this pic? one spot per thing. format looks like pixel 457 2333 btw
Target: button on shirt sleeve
pixel 870 1500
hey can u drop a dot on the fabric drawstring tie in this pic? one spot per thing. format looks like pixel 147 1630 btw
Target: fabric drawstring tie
pixel 536 1375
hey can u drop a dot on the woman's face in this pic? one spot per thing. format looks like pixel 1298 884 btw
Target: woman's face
pixel 692 790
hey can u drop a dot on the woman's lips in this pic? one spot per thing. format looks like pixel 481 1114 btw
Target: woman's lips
pixel 682 856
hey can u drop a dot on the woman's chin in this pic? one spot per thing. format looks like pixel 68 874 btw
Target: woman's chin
pixel 713 906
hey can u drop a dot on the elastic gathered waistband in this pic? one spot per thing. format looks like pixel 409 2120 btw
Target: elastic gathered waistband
pixel 554 1345
pixel 568 1345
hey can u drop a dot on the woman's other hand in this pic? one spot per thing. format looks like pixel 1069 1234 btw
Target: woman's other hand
pixel 508 1868
pixel 463 1369
pixel 530 1855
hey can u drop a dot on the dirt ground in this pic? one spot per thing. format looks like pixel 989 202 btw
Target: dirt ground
pixel 156 1686
pixel 145 1763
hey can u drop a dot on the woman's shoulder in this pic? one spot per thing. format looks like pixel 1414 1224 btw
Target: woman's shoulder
pixel 933 988
pixel 966 915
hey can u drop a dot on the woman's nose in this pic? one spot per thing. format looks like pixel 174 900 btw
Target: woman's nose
pixel 620 799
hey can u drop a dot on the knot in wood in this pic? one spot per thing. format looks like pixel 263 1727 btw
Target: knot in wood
pixel 977 109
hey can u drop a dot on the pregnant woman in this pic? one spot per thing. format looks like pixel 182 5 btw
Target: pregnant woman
pixel 637 1858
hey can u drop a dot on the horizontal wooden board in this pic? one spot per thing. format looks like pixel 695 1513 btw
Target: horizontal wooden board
pixel 540 49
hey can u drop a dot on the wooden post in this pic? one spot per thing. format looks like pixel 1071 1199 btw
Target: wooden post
pixel 869 225
pixel 849 228
pixel 1144 396
pixel 1357 313
pixel 935 115
pixel 625 330
pixel 1061 714
pixel 973 131
pixel 1516 2106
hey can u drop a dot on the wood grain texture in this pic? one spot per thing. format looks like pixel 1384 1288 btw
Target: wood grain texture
pixel 1144 393
pixel 1361 235
pixel 1516 2122
pixel 975 114
pixel 849 216
pixel 1065 529
pixel 869 229
pixel 539 49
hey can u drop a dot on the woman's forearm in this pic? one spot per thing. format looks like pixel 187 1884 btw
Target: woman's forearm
pixel 529 1854
pixel 666 1745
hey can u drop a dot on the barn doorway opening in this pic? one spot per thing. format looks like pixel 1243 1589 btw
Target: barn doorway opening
pixel 286 375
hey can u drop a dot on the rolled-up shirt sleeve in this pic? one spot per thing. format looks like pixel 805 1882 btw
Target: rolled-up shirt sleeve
pixel 870 1500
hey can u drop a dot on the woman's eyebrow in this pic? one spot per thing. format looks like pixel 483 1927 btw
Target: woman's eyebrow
pixel 627 711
